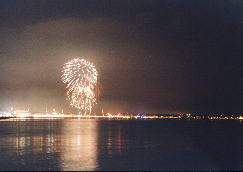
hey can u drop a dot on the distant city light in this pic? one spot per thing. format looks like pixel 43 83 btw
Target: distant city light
pixel 27 114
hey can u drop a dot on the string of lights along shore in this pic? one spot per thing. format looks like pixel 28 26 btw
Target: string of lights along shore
pixel 80 77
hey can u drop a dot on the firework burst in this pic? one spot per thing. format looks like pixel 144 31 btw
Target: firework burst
pixel 80 77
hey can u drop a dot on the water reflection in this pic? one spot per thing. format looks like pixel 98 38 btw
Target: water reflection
pixel 110 136
pixel 120 145
pixel 79 146
pixel 50 145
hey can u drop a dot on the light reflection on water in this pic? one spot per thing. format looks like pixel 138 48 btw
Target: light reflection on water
pixel 79 147
pixel 75 144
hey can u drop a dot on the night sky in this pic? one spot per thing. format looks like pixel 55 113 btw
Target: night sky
pixel 165 56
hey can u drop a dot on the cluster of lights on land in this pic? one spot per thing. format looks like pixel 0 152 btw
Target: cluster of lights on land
pixel 54 115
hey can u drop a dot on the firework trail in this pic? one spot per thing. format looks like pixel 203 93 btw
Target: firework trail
pixel 80 77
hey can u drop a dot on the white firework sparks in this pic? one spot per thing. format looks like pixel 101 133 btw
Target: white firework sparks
pixel 81 78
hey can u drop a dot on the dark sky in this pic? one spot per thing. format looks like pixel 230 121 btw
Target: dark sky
pixel 152 56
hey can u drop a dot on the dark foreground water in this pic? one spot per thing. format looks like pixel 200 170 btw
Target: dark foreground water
pixel 75 144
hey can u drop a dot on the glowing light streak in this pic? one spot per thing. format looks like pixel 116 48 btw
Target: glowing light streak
pixel 81 79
